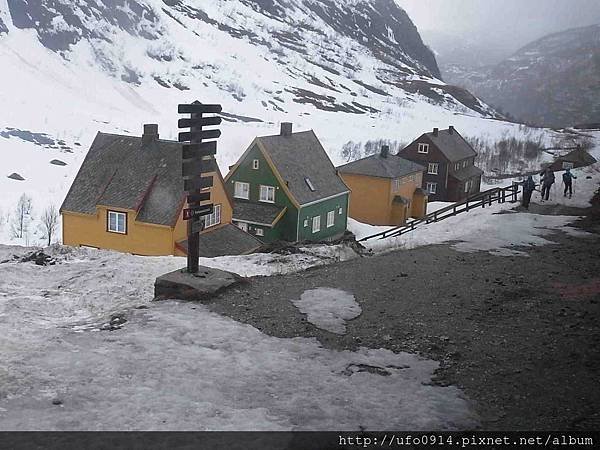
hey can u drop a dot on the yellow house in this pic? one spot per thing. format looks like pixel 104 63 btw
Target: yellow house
pixel 385 189
pixel 128 196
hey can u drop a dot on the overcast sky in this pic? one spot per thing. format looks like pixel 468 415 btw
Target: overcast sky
pixel 512 23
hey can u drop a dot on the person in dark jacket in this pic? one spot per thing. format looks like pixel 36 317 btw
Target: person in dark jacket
pixel 547 182
pixel 528 188
pixel 568 182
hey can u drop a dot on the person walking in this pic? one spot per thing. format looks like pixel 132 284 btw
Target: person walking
pixel 548 180
pixel 568 182
pixel 528 188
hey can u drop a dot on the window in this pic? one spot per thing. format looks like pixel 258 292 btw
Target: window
pixel 340 211
pixel 242 226
pixel 255 164
pixel 213 219
pixel 431 188
pixel 259 232
pixel 457 167
pixel 309 184
pixel 117 222
pixel 423 148
pixel 330 219
pixel 464 164
pixel 242 190
pixel 316 225
pixel 468 185
pixel 305 223
pixel 433 168
pixel 267 194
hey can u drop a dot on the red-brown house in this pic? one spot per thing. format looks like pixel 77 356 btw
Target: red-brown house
pixel 451 173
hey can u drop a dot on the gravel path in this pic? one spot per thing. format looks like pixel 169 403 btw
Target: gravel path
pixel 521 336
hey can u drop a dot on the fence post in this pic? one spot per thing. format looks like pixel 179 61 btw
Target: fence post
pixel 467 205
pixel 515 189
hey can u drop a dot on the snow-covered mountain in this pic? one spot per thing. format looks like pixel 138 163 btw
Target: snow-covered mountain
pixel 554 81
pixel 352 70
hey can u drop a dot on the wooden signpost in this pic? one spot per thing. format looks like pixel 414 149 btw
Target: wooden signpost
pixel 197 159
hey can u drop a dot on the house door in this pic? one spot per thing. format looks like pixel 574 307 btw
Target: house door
pixel 243 226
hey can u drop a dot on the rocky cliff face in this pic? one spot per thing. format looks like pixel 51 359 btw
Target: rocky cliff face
pixel 554 81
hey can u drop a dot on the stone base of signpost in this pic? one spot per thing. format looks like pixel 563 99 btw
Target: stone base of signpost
pixel 199 287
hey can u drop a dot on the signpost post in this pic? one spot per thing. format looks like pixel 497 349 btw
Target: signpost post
pixel 197 158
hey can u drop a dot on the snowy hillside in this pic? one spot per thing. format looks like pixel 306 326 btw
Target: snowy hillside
pixel 353 71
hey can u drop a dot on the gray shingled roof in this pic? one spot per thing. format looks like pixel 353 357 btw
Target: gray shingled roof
pixel 467 173
pixel 225 240
pixel 300 156
pixel 453 146
pixel 377 166
pixel 120 172
pixel 259 213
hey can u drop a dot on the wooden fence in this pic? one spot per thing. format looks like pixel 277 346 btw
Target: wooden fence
pixel 480 200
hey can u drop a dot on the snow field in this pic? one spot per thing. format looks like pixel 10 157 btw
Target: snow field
pixel 177 366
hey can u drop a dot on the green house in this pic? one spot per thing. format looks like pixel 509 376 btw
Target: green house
pixel 285 188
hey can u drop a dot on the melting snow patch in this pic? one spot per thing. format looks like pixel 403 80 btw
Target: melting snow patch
pixel 328 308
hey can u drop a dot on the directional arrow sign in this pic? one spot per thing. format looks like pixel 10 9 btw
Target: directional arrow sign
pixel 199 135
pixel 190 151
pixel 198 197
pixel 197 184
pixel 199 122
pixel 199 108
pixel 197 211
pixel 194 167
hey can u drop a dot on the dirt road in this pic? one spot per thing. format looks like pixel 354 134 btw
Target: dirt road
pixel 520 335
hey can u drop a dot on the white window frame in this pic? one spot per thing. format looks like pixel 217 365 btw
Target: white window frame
pixel 433 168
pixel 397 183
pixel 259 232
pixel 423 148
pixel 305 223
pixel 464 163
pixel 116 215
pixel 431 188
pixel 457 167
pixel 239 193
pixel 316 224
pixel 242 226
pixel 213 219
pixel 255 164
pixel 341 211
pixel 266 189
pixel 330 219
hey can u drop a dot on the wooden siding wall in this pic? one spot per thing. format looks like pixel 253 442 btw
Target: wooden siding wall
pixel 434 156
pixel 286 227
pixel 321 209
pixel 141 239
pixel 371 199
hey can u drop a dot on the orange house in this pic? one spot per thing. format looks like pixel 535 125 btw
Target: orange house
pixel 386 189
pixel 128 196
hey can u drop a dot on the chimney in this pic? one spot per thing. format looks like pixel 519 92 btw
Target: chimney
pixel 385 151
pixel 435 131
pixel 286 129
pixel 451 129
pixel 150 133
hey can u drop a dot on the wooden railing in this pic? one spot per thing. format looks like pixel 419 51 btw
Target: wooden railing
pixel 480 200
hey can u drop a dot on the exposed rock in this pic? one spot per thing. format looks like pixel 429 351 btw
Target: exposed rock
pixel 58 162
pixel 16 176
pixel 39 258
